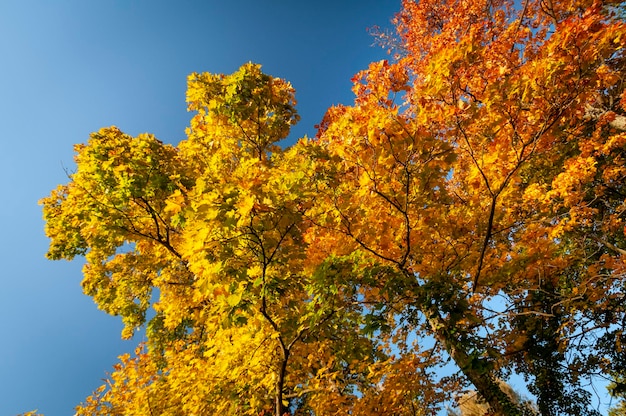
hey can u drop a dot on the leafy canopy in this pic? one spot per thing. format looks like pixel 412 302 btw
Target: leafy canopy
pixel 467 210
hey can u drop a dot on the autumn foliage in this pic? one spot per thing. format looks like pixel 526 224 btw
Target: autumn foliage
pixel 467 212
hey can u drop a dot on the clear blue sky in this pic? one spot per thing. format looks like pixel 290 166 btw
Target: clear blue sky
pixel 69 67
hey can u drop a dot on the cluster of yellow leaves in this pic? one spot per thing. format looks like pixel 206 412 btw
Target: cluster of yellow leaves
pixel 208 237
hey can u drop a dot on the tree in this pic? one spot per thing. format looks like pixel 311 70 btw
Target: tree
pixel 214 226
pixel 468 208
pixel 485 166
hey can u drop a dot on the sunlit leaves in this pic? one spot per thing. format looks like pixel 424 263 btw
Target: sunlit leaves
pixel 473 165
pixel 467 208
pixel 207 240
pixel 247 107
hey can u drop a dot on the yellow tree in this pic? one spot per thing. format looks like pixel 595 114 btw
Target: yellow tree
pixel 209 236
pixel 485 167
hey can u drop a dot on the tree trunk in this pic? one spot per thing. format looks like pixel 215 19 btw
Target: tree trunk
pixel 486 385
pixel 280 383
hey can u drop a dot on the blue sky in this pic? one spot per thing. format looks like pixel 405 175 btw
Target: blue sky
pixel 69 67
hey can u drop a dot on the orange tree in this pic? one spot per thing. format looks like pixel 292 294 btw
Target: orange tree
pixel 485 167
pixel 467 208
